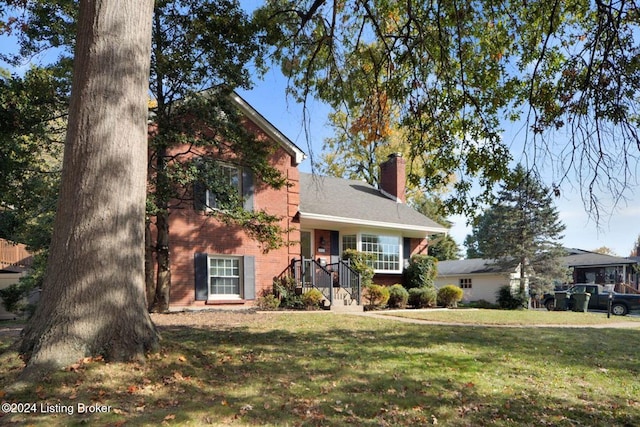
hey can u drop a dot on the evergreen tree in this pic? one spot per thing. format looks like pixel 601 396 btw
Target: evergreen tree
pixel 521 228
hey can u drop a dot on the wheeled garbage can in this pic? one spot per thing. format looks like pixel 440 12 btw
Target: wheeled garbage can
pixel 581 301
pixel 561 300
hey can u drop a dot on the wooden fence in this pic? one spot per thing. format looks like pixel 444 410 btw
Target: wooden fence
pixel 14 255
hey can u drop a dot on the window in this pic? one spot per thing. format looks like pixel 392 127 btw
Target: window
pixel 385 248
pixel 224 277
pixel 465 283
pixel 349 241
pixel 228 191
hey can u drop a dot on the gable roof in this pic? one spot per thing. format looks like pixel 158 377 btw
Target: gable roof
pixel 581 258
pixel 342 201
pixel 252 114
pixel 469 266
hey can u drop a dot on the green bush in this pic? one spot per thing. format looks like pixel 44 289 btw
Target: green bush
pixel 286 290
pixel 376 295
pixel 421 271
pixel 362 263
pixel 312 298
pixel 398 296
pixel 450 295
pixel 507 300
pixel 423 297
pixel 12 298
pixel 268 302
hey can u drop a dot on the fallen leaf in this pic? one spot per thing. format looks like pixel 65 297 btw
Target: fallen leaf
pixel 132 389
pixel 170 417
pixel 182 359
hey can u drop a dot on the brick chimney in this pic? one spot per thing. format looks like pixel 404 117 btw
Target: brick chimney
pixel 392 177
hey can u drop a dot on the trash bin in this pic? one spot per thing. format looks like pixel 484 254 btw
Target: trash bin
pixel 561 300
pixel 581 301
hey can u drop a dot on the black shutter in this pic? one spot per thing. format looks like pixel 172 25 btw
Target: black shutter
pixel 406 251
pixel 247 189
pixel 334 250
pixel 199 196
pixel 249 277
pixel 202 276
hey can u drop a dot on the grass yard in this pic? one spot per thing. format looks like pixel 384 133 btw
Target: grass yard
pixel 290 369
pixel 514 318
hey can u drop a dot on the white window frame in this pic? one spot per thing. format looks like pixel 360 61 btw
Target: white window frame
pixel 359 246
pixel 210 194
pixel 210 277
pixel 465 283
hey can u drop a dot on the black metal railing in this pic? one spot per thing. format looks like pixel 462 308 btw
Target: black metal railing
pixel 346 278
pixel 311 274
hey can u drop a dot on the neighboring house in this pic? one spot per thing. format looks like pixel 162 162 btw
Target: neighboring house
pixel 217 265
pixel 480 279
pixel 15 262
pixel 591 267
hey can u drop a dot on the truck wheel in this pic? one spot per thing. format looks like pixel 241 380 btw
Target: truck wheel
pixel 619 309
pixel 550 305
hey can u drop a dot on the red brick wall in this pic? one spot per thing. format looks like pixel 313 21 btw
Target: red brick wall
pixel 392 176
pixel 192 231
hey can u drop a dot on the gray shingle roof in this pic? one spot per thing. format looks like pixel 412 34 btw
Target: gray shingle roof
pixel 468 266
pixel 580 258
pixel 357 202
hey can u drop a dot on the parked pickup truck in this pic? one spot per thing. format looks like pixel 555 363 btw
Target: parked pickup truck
pixel 621 304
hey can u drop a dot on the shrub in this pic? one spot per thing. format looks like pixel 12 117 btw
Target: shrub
pixel 12 298
pixel 507 300
pixel 421 271
pixel 376 295
pixel 398 296
pixel 422 297
pixel 312 298
pixel 285 289
pixel 268 302
pixel 362 263
pixel 449 295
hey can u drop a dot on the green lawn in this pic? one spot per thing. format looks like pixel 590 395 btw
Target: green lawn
pixel 517 317
pixel 311 369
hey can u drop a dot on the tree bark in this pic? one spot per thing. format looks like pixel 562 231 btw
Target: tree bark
pixel 93 298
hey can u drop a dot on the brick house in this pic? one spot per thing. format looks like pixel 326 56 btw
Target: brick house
pixel 217 265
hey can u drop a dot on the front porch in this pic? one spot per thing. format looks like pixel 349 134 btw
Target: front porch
pixel 338 282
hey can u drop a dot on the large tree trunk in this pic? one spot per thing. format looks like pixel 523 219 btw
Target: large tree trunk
pixel 93 299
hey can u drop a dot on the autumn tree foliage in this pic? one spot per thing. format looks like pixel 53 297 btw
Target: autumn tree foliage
pixel 456 72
